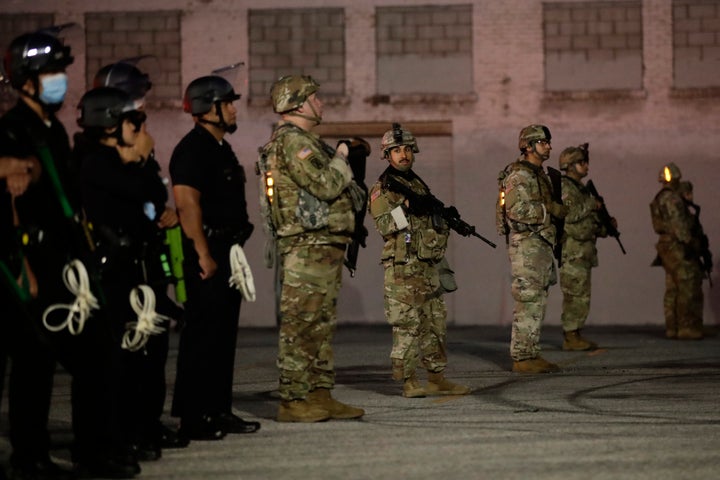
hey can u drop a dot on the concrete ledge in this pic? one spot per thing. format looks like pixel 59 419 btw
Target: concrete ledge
pixel 377 129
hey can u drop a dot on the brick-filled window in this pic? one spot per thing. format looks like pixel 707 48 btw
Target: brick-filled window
pixel 12 26
pixel 696 43
pixel 593 46
pixel 121 35
pixel 415 41
pixel 296 41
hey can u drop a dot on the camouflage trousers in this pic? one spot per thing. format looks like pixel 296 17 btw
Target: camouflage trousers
pixel 683 300
pixel 312 275
pixel 532 269
pixel 418 314
pixel 575 282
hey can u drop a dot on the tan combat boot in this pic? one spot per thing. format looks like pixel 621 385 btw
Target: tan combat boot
pixel 301 411
pixel 338 410
pixel 689 333
pixel 575 342
pixel 534 365
pixel 439 385
pixel 412 388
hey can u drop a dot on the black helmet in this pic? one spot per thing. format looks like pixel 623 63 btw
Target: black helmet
pixel 104 107
pixel 31 54
pixel 125 76
pixel 204 92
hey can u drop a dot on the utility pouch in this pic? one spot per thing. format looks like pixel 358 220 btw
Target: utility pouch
pixel 431 245
pixel 312 213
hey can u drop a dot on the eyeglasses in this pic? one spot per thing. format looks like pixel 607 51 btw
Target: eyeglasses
pixel 543 142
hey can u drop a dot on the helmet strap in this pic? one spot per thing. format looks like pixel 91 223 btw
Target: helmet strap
pixel 221 124
pixel 315 118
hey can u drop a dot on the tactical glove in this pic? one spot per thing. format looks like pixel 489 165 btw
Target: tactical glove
pixel 557 210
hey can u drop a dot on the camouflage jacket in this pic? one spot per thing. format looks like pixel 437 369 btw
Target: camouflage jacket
pixel 419 238
pixel 528 192
pixel 311 203
pixel 581 222
pixel 671 218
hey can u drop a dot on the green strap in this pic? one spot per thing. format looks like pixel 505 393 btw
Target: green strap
pixel 47 162
pixel 22 294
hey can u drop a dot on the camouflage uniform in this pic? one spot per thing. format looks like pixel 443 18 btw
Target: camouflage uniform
pixel 312 215
pixel 678 249
pixel 414 305
pixel 579 254
pixel 528 195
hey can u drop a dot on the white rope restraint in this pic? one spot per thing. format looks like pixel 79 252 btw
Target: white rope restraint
pixel 148 323
pixel 241 277
pixel 77 282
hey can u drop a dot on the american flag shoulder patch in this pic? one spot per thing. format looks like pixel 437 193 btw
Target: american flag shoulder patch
pixel 304 153
pixel 375 195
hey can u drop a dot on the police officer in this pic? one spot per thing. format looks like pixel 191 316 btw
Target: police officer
pixel 415 244
pixel 122 196
pixel 209 189
pixel 313 217
pixel 579 254
pixel 680 248
pixel 526 213
pixel 35 64
pixel 155 435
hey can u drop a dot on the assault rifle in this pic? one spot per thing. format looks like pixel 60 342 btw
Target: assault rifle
pixel 556 182
pixel 429 204
pixel 604 215
pixel 358 151
pixel 704 254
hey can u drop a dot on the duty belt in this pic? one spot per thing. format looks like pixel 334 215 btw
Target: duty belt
pixel 227 233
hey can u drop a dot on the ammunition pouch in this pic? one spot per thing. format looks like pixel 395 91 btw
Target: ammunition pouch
pixel 431 244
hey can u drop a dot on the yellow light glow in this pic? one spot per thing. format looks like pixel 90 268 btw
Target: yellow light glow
pixel 502 198
pixel 668 175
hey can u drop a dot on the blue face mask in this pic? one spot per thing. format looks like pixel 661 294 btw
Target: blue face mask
pixel 53 88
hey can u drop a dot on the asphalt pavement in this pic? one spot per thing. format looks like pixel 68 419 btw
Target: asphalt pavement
pixel 639 407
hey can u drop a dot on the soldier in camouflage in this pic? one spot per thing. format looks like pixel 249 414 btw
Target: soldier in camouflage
pixel 679 248
pixel 415 244
pixel 579 254
pixel 525 208
pixel 312 215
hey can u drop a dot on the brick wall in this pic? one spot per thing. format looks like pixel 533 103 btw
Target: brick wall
pixel 412 41
pixel 114 36
pixel 593 46
pixel 696 43
pixel 306 41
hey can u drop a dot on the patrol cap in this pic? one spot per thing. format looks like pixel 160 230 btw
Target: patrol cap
pixel 290 92
pixel 531 134
pixel 668 173
pixel 31 54
pixel 202 93
pixel 397 137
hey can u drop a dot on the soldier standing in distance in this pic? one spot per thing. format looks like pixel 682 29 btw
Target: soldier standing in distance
pixel 209 189
pixel 679 249
pixel 579 253
pixel 415 243
pixel 313 217
pixel 526 218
